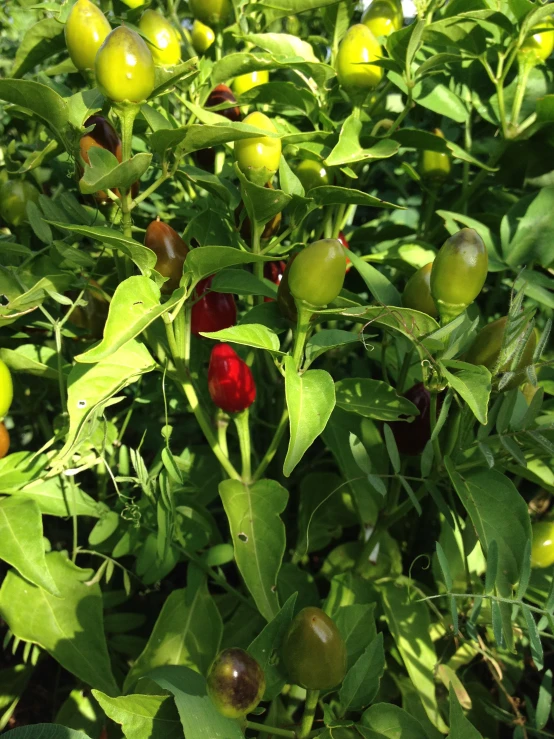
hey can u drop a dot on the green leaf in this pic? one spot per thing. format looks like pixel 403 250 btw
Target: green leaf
pixel 349 150
pixel 70 628
pixel 265 648
pixel 105 173
pixel 21 541
pixel 241 282
pixel 32 359
pixel 233 65
pixel 40 42
pixel 325 341
pixel 282 43
pixel 534 637
pixel 310 402
pixel 142 716
pixel 199 717
pixel 207 260
pixel 45 731
pixel 356 624
pixel 250 334
pixel 527 230
pixel 473 383
pixel 445 568
pixel 258 536
pixel 380 287
pixel 492 567
pixel 187 632
pixel 372 399
pixel 361 682
pixel 460 727
pixel 41 100
pixel 393 722
pixel 331 195
pixel 410 323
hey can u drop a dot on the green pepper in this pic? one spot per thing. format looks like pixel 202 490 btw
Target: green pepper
pixel 259 157
pixel 317 274
pixel 6 389
pixel 383 17
pixel 202 37
pixel 134 3
pixel 86 29
pixel 162 38
pixel 542 549
pixel 14 196
pixel 435 166
pixel 211 12
pixel 313 651
pixel 235 682
pixel 124 67
pixel 312 174
pixel 459 273
pixel 487 346
pixel 245 82
pixel 417 293
pixel 539 46
pixel 354 67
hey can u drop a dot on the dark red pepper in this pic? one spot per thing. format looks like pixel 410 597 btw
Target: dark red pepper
pixel 273 271
pixel 230 380
pixel 170 250
pixel 213 311
pixel 411 438
pixel 342 238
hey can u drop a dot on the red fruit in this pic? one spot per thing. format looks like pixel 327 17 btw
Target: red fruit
pixel 223 94
pixel 4 441
pixel 342 238
pixel 230 380
pixel 213 311
pixel 273 271
pixel 411 438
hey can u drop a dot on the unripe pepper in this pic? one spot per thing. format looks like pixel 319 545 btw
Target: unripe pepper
pixel 170 250
pixel 230 381
pixel 4 441
pixel 435 166
pixel 312 174
pixel 317 274
pixel 124 67
pixel 6 389
pixel 411 438
pixel 235 683
pixel 202 37
pixel 285 299
pixel 134 3
pixel 417 293
pixel 14 196
pixel 383 17
pixel 539 46
pixel 313 651
pixel 211 12
pixel 259 157
pixel 459 273
pixel 487 346
pixel 213 311
pixel 245 82
pixel 163 41
pixel 357 50
pixel 542 549
pixel 85 30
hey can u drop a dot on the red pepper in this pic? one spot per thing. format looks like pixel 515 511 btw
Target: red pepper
pixel 411 438
pixel 273 271
pixel 223 94
pixel 213 311
pixel 230 380
pixel 342 238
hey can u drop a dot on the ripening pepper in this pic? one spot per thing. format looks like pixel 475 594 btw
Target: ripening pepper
pixel 220 95
pixel 259 157
pixel 539 46
pixel 417 293
pixel 163 40
pixel 354 64
pixel 6 389
pixel 124 67
pixel 285 299
pixel 230 381
pixel 245 82
pixel 312 174
pixel 235 683
pixel 211 12
pixel 4 441
pixel 487 346
pixel 313 651
pixel 383 17
pixel 542 548
pixel 85 30
pixel 14 196
pixel 170 250
pixel 92 316
pixel 317 274
pixel 202 37
pixel 459 273
pixel 435 166
pixel 212 311
pixel 411 438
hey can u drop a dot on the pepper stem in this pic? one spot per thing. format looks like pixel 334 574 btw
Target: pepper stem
pixel 270 729
pixel 243 430
pixel 312 698
pixel 302 330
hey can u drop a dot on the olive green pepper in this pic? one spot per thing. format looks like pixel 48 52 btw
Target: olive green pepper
pixel 383 17
pixel 312 174
pixel 202 37
pixel 85 30
pixel 459 273
pixel 163 41
pixel 417 293
pixel 245 82
pixel 14 196
pixel 542 550
pixel 435 166
pixel 259 157
pixel 6 389
pixel 317 274
pixel 124 67
pixel 235 682
pixel 211 12
pixel 313 651
pixel 354 64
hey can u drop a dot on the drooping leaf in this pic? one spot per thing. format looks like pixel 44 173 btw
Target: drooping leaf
pixel 143 716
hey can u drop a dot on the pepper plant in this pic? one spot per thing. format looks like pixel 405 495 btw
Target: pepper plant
pixel 276 385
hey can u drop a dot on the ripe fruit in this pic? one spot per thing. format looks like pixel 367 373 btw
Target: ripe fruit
pixel 202 37
pixel 6 389
pixel 259 157
pixel 317 274
pixel 235 683
pixel 163 40
pixel 91 317
pixel 245 82
pixel 14 196
pixel 411 438
pixel 223 94
pixel 273 271
pixel 230 381
pixel 213 311
pixel 85 30
pixel 211 12
pixel 4 441
pixel 417 293
pixel 383 17
pixel 542 549
pixel 358 49
pixel 313 651
pixel 124 67
pixel 171 252
pixel 312 174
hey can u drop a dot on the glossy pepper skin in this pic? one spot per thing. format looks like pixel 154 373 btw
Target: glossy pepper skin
pixel 435 166
pixel 85 30
pixel 411 438
pixel 542 548
pixel 317 274
pixel 313 651
pixel 14 196
pixel 245 82
pixel 202 37
pixel 285 299
pixel 124 67
pixel 220 95
pixel 213 311
pixel 163 41
pixel 358 45
pixel 230 381
pixel 417 293
pixel 211 12
pixel 235 683
pixel 539 46
pixel 6 389
pixel 170 250
pixel 4 441
pixel 258 157
pixel 459 273
pixel 383 17
pixel 312 174
pixel 486 349
pixel 134 3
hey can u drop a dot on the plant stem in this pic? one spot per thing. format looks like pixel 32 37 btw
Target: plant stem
pixel 302 330
pixel 436 444
pixel 270 730
pixel 524 72
pixel 272 448
pixel 309 713
pixel 243 430
pixel 61 378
